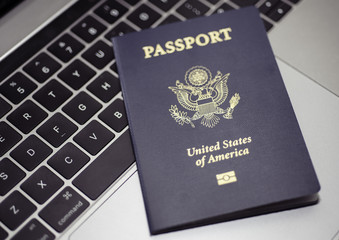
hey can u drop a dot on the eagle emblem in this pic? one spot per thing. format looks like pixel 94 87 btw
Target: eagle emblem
pixel 204 95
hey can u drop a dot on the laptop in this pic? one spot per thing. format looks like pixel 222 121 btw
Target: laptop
pixel 66 167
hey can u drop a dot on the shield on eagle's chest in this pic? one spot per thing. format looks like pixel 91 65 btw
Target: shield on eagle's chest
pixel 206 106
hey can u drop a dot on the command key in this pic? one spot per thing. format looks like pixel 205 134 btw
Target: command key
pixel 64 209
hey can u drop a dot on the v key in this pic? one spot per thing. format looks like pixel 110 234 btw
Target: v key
pixel 95 131
pixel 93 136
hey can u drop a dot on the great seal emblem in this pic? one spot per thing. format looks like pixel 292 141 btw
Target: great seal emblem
pixel 203 95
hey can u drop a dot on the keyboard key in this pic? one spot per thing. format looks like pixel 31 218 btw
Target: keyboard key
pixel 31 152
pixel 267 25
pixel 115 116
pixel 106 168
pixel 132 2
pixel 3 234
pixel 4 107
pixel 42 67
pixel 170 19
pixel 76 74
pixel 57 129
pixel 192 9
pixel 65 48
pixel 10 175
pixel 82 107
pixel 268 5
pixel 68 160
pixel 42 185
pixel 67 206
pixel 164 5
pixel 27 116
pixel 52 95
pixel 105 87
pixel 88 29
pixel 34 230
pixel 15 209
pixel 111 11
pixel 17 88
pixel 94 137
pixel 99 55
pixel 119 30
pixel 144 17
pixel 279 11
pixel 244 3
pixel 224 7
pixel 8 138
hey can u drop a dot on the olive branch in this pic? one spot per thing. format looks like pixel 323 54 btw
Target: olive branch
pixel 180 116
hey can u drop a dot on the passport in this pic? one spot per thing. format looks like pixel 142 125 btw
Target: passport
pixel 213 129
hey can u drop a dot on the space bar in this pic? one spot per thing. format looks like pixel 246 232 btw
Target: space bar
pixel 106 168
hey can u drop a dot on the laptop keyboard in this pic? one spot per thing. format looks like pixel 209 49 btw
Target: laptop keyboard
pixel 64 139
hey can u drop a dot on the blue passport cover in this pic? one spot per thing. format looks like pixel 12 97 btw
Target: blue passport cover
pixel 213 129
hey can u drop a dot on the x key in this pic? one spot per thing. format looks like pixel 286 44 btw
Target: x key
pixel 42 185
